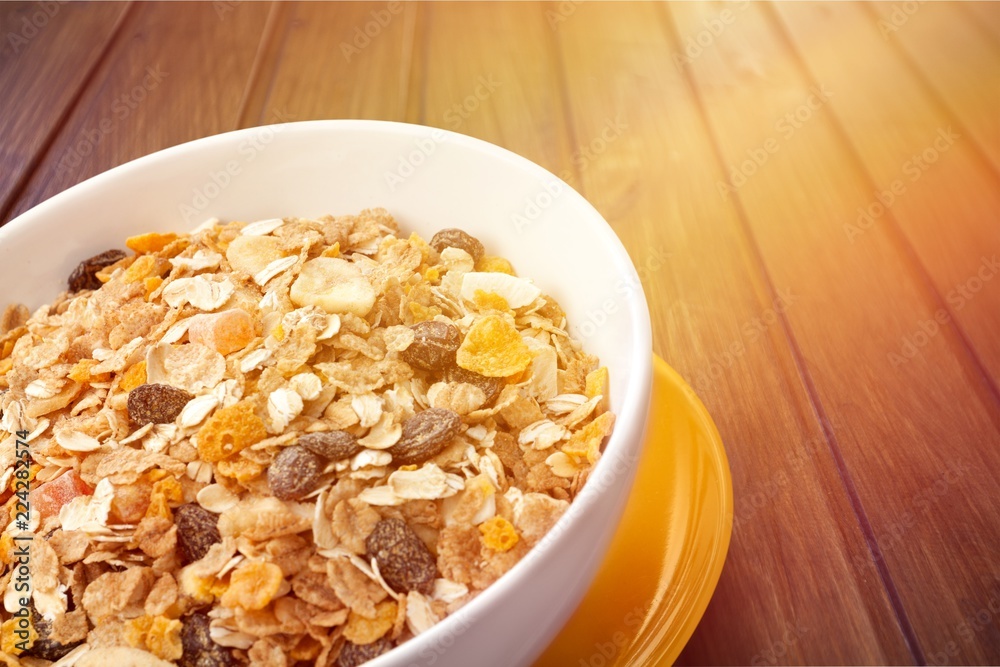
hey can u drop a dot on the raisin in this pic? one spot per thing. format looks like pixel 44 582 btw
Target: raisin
pixel 490 386
pixel 353 655
pixel 45 648
pixel 456 238
pixel 156 404
pixel 403 559
pixel 199 649
pixel 425 435
pixel 197 531
pixel 295 473
pixel 84 276
pixel 434 345
pixel 331 445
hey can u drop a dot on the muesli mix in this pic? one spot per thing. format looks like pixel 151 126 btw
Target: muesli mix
pixel 288 441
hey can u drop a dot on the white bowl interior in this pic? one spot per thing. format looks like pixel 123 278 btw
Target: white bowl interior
pixel 428 179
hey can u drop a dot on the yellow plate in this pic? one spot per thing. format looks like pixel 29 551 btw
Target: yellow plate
pixel 667 555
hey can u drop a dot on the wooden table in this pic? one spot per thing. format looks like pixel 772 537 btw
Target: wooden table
pixel 810 192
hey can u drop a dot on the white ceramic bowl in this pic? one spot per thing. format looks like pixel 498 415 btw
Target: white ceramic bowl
pixel 428 179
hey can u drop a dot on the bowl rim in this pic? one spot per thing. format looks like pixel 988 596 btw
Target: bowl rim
pixel 625 441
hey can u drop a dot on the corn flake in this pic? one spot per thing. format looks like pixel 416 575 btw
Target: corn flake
pixel 494 348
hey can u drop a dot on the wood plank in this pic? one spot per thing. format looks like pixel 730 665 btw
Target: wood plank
pixel 338 60
pixel 917 443
pixel 177 73
pixel 47 52
pixel 960 64
pixel 713 319
pixel 920 174
pixel 491 72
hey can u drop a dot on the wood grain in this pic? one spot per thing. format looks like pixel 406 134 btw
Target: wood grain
pixel 177 72
pixel 863 434
pixel 656 186
pixel 895 445
pixel 48 53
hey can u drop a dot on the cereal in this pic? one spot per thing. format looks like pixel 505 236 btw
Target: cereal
pixel 456 238
pixel 253 585
pixel 434 346
pixel 493 348
pixel 224 332
pixel 151 242
pixel 335 285
pixel 499 534
pixel 295 473
pixel 84 276
pixel 403 559
pixel 488 385
pixel 198 648
pixel 156 404
pixel 361 630
pixel 353 655
pixel 228 431
pixel 425 435
pixel 331 445
pixel 293 441
pixel 197 531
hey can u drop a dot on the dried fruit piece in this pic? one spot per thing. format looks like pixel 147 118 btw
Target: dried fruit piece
pixel 199 649
pixel 253 585
pixel 224 332
pixel 425 435
pixel 44 647
pixel 331 445
pixel 197 531
pixel 156 404
pixel 492 264
pixel 491 387
pixel 49 498
pixel 335 285
pixel 353 655
pixel 84 276
pixel 134 376
pixel 434 345
pixel 230 430
pixel 362 630
pixel 403 559
pixel 456 238
pixel 151 242
pixel 494 348
pixel 250 254
pixel 499 534
pixel 295 473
